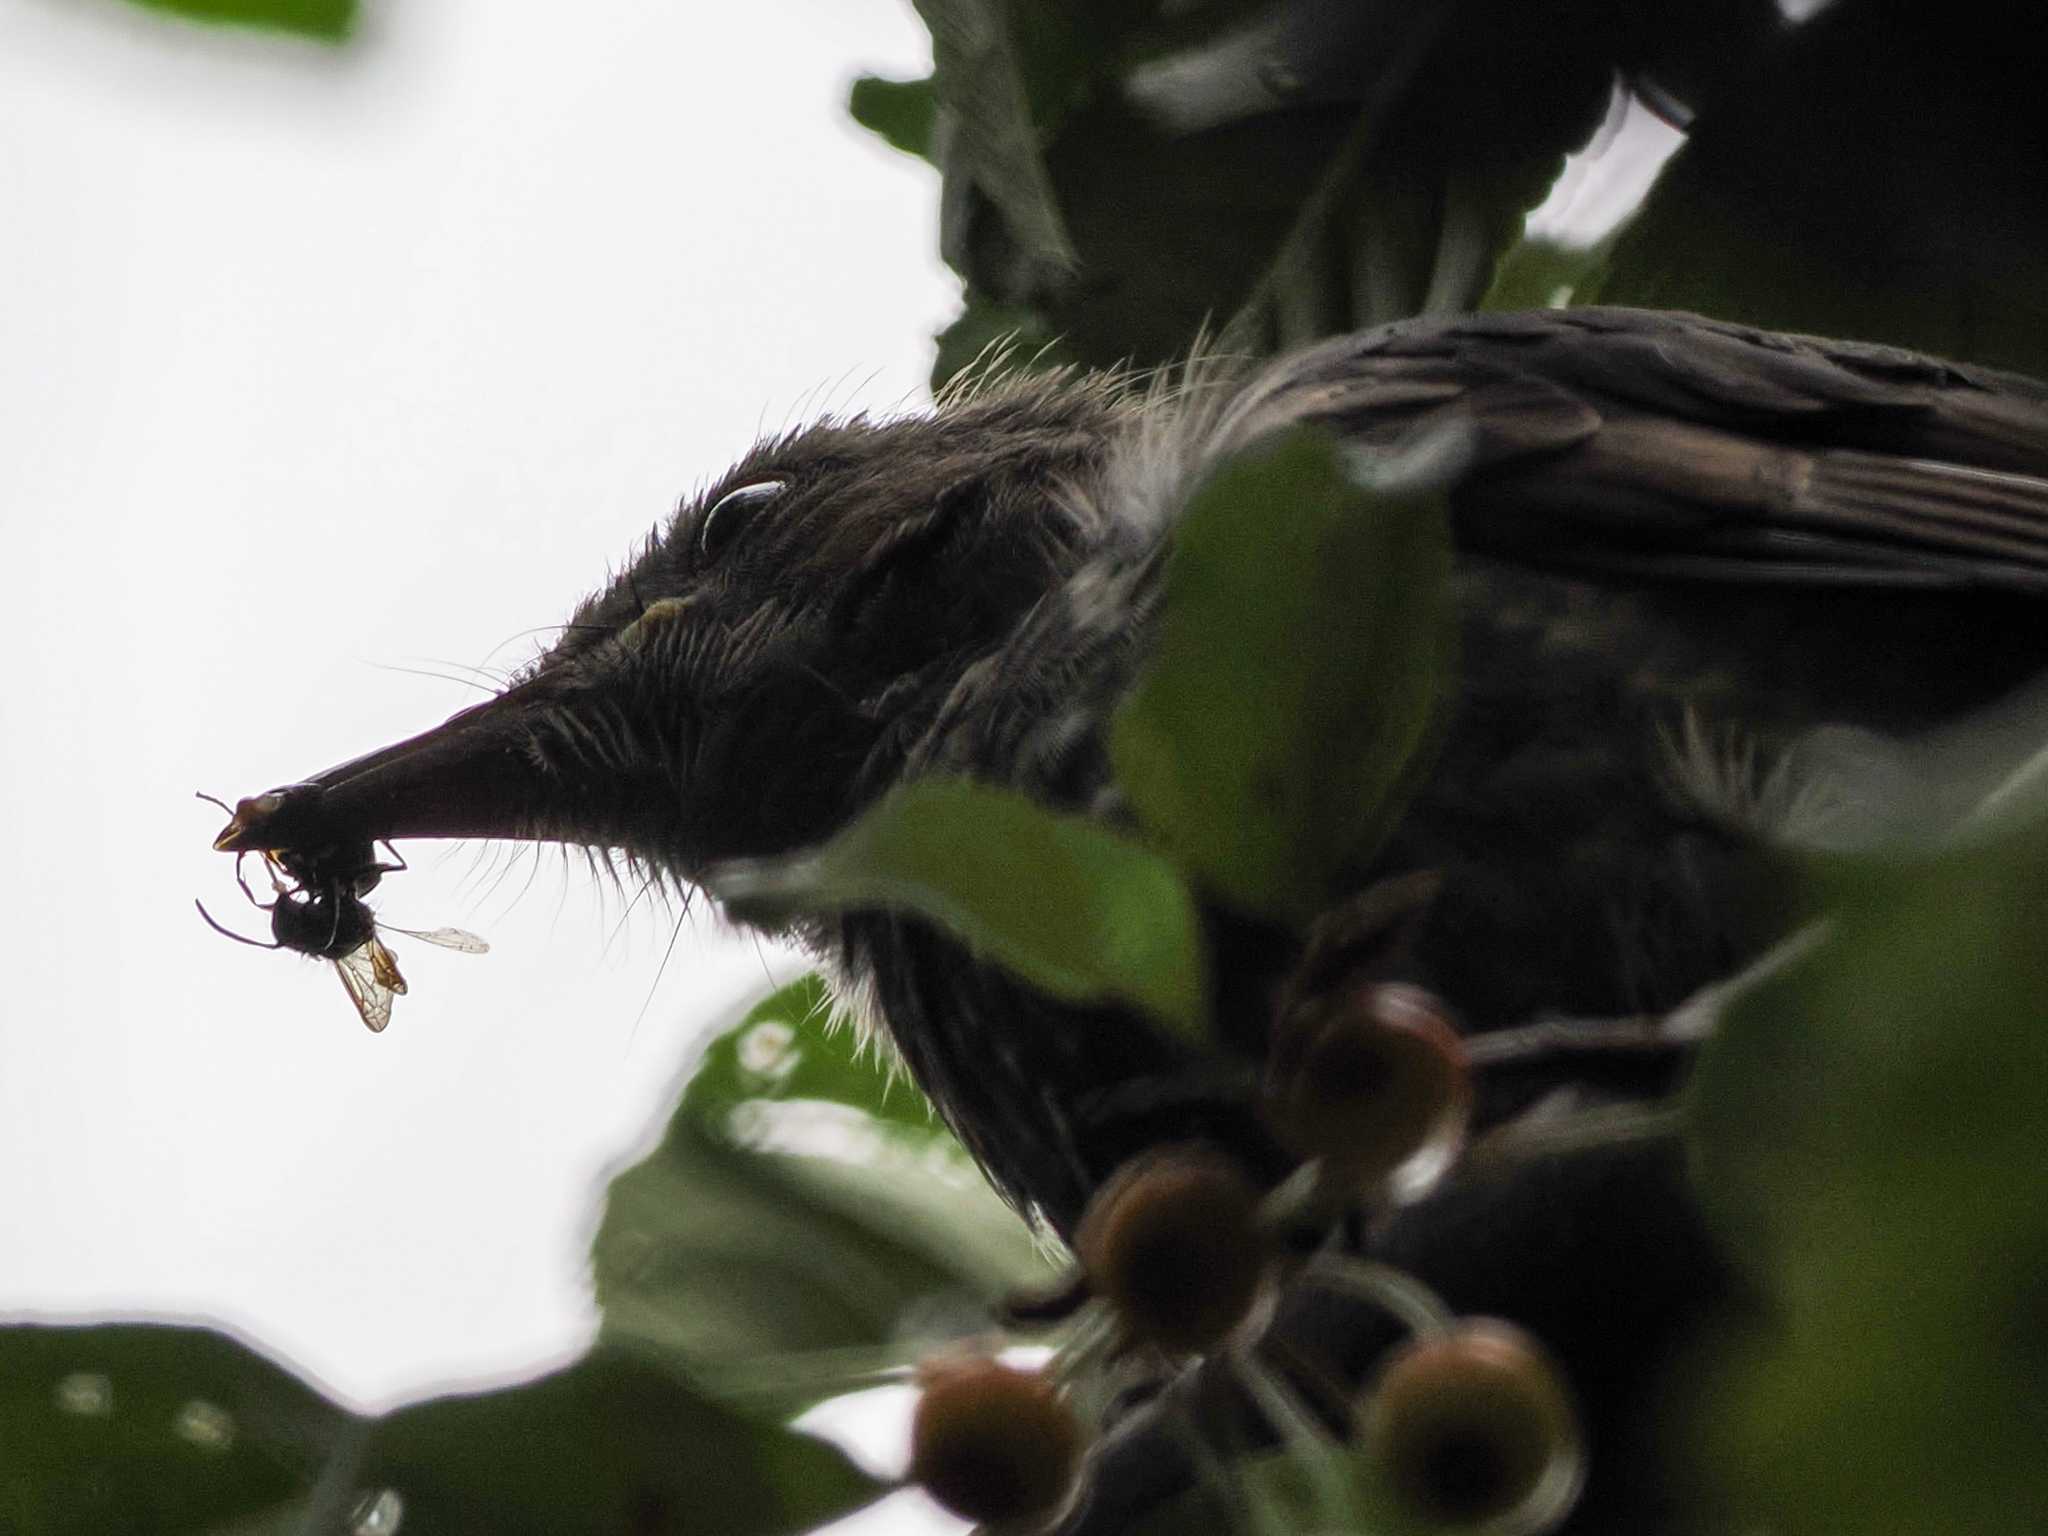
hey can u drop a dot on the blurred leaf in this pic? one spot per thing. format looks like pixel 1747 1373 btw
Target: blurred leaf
pixel 1082 912
pixel 899 111
pixel 1304 640
pixel 749 1261
pixel 1304 166
pixel 1315 1486
pixel 1867 1139
pixel 612 1444
pixel 984 332
pixel 1172 234
pixel 142 1427
pixel 1545 274
pixel 330 20
pixel 980 80
pixel 793 1045
pixel 146 1428
pixel 1818 201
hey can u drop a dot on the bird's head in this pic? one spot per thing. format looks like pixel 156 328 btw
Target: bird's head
pixel 752 678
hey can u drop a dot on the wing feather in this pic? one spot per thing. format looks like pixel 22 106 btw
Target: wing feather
pixel 1671 446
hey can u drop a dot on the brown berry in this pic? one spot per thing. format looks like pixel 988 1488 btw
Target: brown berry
pixel 991 1442
pixel 1475 1427
pixel 1375 1082
pixel 1173 1243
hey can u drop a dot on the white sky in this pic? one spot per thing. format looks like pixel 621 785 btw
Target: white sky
pixel 313 367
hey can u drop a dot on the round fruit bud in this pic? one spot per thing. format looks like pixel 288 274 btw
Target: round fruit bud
pixel 991 1442
pixel 1474 1427
pixel 1173 1244
pixel 1375 1082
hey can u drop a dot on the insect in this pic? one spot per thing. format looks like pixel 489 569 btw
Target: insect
pixel 318 910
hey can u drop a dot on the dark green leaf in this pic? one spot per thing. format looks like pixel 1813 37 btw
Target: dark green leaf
pixel 331 20
pixel 980 79
pixel 1545 274
pixel 1295 168
pixel 1305 637
pixel 612 1444
pixel 804 1218
pixel 1316 1486
pixel 899 111
pixel 1867 1136
pixel 1814 201
pixel 986 334
pixel 1173 234
pixel 153 1430
pixel 1076 909
pixel 147 1427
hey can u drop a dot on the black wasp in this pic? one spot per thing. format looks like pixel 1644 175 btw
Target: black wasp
pixel 318 909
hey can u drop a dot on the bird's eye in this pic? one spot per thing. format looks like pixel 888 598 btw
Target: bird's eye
pixel 730 513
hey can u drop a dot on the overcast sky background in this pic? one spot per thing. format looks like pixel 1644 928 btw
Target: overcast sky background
pixel 314 368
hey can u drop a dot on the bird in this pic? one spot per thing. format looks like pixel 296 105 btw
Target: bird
pixel 1668 527
pixel 1711 586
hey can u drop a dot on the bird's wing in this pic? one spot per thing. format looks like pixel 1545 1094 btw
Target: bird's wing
pixel 1614 441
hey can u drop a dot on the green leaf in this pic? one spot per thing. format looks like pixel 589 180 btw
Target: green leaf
pixel 793 1046
pixel 1545 274
pixel 143 1427
pixel 901 112
pixel 1170 234
pixel 984 332
pixel 329 20
pixel 775 1274
pixel 1305 639
pixel 1078 910
pixel 1867 1140
pixel 613 1443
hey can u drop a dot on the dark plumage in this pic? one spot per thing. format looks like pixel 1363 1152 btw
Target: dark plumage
pixel 1666 521
pixel 1705 572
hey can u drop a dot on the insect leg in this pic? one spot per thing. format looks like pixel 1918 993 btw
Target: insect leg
pixel 238 938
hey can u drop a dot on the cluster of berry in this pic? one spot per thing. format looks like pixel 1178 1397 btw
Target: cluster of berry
pixel 1468 1423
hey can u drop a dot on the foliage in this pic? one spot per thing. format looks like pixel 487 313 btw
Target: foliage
pixel 1304 644
pixel 1867 1136
pixel 150 1427
pixel 1080 911
pixel 1815 203
pixel 901 112
pixel 328 20
pixel 1538 273
pixel 145 1427
pixel 804 1216
pixel 1116 176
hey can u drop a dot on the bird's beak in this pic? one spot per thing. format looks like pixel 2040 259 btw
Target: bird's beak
pixel 473 775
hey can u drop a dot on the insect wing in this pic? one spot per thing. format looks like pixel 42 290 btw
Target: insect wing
pixel 371 981
pixel 384 966
pixel 447 938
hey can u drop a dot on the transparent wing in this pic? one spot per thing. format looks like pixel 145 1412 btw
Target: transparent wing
pixel 370 977
pixel 447 938
pixel 384 966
